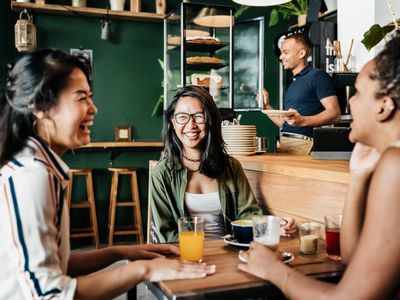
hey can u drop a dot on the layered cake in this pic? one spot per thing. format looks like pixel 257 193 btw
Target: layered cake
pixel 209 40
pixel 197 39
pixel 203 60
pixel 207 80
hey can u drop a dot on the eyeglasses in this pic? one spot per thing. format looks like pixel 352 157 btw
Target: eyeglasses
pixel 184 118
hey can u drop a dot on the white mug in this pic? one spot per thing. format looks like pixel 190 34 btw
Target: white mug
pixel 267 230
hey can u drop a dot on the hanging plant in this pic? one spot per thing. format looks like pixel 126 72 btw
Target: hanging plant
pixel 377 33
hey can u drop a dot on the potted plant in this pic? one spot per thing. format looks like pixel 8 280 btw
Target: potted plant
pixel 377 33
pixel 287 10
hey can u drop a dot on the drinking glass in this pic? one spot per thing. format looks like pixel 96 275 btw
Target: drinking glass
pixel 332 235
pixel 191 239
pixel 309 236
pixel 266 230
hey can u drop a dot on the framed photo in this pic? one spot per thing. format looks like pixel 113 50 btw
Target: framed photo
pixel 123 134
pixel 87 54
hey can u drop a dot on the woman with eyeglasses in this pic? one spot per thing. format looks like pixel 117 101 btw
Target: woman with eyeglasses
pixel 196 177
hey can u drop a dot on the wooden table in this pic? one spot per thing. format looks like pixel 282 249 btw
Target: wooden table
pixel 230 283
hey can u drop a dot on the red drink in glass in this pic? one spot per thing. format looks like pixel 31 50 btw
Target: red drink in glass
pixel 333 243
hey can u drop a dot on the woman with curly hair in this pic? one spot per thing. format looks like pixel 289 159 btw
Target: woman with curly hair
pixel 370 233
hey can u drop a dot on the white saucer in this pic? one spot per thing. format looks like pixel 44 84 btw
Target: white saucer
pixel 287 257
pixel 277 112
pixel 230 240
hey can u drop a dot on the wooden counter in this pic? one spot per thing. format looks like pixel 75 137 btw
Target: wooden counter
pixel 297 186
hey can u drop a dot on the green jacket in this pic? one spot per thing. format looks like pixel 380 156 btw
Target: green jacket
pixel 167 192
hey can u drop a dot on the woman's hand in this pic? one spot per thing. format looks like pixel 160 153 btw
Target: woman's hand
pixel 260 260
pixel 288 226
pixel 148 251
pixel 166 269
pixel 364 159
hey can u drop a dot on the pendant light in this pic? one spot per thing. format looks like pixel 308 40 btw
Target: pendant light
pixel 260 2
pixel 25 32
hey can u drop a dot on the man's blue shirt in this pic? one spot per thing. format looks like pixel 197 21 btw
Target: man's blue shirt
pixel 305 93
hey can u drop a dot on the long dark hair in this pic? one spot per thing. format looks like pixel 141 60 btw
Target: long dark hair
pixel 33 84
pixel 214 159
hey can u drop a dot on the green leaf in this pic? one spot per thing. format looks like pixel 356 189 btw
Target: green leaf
pixel 241 10
pixel 161 62
pixel 157 106
pixel 273 18
pixel 375 34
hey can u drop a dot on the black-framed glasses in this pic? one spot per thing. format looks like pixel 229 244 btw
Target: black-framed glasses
pixel 184 118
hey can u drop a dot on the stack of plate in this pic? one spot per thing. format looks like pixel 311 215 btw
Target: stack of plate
pixel 240 139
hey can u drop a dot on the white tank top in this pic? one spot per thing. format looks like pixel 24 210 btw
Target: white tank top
pixel 207 206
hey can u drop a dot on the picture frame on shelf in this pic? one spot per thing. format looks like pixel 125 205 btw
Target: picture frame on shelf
pixel 86 54
pixel 123 133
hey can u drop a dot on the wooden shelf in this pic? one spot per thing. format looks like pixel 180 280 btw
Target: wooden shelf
pixel 85 11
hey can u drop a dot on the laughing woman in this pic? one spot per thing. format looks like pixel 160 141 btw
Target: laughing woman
pixel 370 234
pixel 46 110
pixel 196 177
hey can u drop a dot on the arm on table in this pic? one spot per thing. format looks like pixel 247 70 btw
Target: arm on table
pixel 107 285
pixel 91 261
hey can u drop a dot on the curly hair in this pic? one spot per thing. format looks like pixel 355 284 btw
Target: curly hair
pixel 214 158
pixel 388 70
pixel 33 84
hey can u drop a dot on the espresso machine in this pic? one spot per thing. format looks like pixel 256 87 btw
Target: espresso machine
pixel 344 85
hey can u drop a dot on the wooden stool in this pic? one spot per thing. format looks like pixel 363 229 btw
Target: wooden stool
pixel 136 228
pixel 91 231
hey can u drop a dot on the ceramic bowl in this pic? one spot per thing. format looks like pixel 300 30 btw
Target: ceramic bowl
pixel 242 230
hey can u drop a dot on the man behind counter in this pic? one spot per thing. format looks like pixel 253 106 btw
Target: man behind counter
pixel 311 97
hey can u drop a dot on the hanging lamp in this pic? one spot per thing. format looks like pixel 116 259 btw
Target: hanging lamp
pixel 25 33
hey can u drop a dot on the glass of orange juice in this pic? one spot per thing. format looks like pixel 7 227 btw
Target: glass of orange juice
pixel 191 239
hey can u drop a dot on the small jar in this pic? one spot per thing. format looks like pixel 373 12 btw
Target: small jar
pixel 309 236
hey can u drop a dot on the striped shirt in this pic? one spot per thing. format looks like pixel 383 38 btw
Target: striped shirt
pixel 34 226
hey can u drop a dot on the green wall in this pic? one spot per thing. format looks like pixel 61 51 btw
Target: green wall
pixel 126 85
